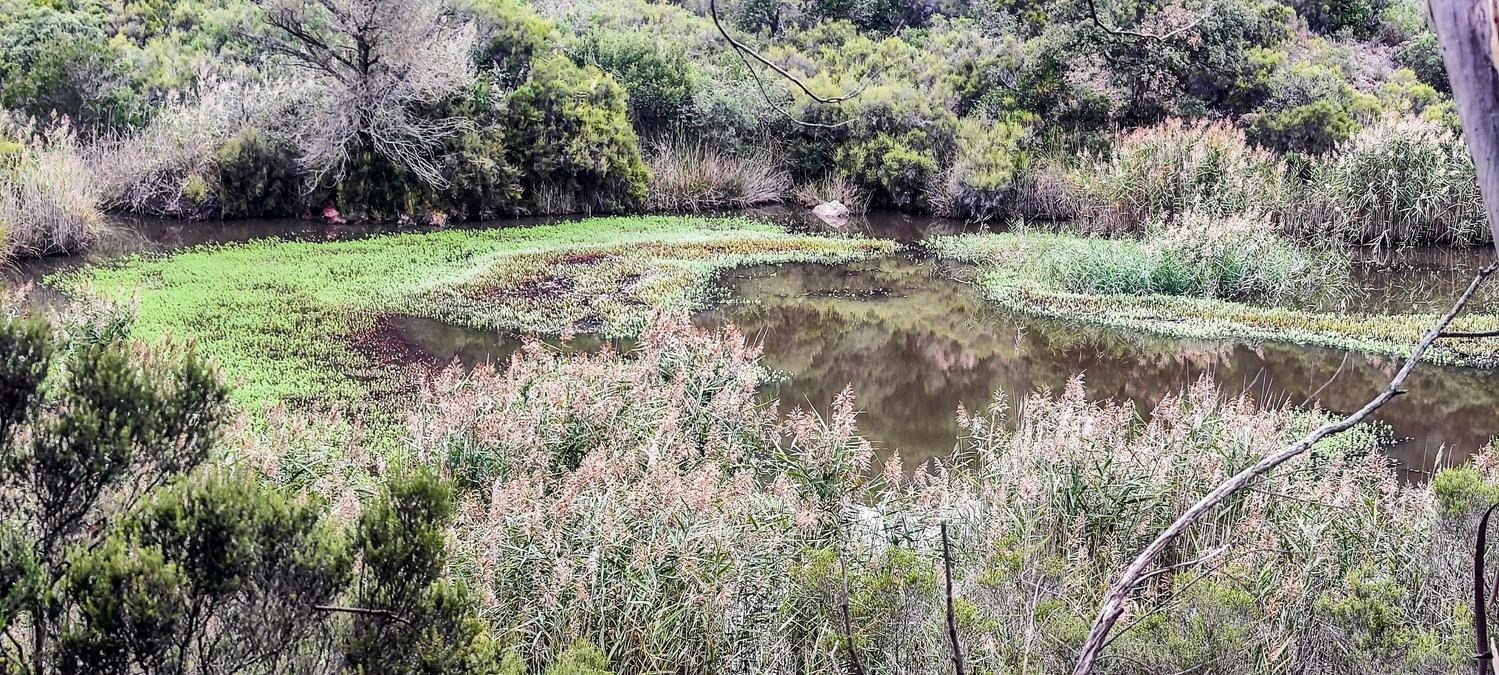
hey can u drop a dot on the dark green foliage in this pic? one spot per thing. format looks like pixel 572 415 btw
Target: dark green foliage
pixel 257 176
pixel 876 15
pixel 1359 17
pixel 511 37
pixel 56 61
pixel 657 76
pixel 427 622
pixel 895 172
pixel 1315 128
pixel 574 140
pixel 214 550
pixel 1424 57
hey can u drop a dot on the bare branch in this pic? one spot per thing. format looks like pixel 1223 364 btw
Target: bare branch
pixel 1473 334
pixel 1119 32
pixel 1113 602
pixel 952 621
pixel 363 611
pixel 746 52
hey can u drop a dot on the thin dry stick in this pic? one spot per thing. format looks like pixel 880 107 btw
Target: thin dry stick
pixel 952 621
pixel 848 622
pixel 1113 601
pixel 365 611
pixel 746 52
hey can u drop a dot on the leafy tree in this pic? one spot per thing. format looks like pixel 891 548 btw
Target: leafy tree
pixel 73 454
pixel 214 573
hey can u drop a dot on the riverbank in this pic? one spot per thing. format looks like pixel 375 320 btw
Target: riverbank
pixel 1011 274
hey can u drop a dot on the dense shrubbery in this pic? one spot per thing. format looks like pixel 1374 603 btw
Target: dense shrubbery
pixel 988 111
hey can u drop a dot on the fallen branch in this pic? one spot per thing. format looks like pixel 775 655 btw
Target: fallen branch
pixel 1112 606
pixel 1470 334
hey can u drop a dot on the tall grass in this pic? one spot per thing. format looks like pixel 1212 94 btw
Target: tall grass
pixel 1162 172
pixel 690 176
pixel 1403 181
pixel 834 187
pixel 1232 258
pixel 49 201
pixel 651 504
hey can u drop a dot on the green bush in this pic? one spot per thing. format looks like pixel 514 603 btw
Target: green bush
pixel 984 180
pixel 574 141
pixel 889 169
pixel 1423 56
pixel 510 37
pixel 1461 490
pixel 63 62
pixel 658 77
pixel 257 176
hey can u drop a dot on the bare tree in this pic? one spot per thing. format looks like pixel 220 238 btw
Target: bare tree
pixel 375 66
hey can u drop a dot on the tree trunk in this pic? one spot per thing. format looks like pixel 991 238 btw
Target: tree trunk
pixel 1466 30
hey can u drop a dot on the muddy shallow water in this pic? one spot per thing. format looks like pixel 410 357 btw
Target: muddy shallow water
pixel 913 341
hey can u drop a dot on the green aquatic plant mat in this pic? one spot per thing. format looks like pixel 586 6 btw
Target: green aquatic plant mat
pixel 1011 275
pixel 297 321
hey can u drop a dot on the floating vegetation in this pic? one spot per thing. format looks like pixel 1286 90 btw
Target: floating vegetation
pixel 286 320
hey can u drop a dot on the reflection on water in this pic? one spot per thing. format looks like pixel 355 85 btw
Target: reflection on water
pixel 913 342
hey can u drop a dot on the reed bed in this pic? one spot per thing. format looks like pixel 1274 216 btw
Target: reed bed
pixel 49 200
pixel 1403 181
pixel 651 504
pixel 690 177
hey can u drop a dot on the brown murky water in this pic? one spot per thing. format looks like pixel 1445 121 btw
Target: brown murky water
pixel 913 341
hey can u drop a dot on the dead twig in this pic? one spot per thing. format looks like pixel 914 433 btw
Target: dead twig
pixel 746 52
pixel 1112 607
pixel 364 611
pixel 952 621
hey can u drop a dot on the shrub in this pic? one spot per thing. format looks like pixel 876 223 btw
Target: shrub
pixel 1424 57
pixel 59 62
pixel 257 175
pixel 1406 180
pixel 1462 490
pixel 985 176
pixel 510 37
pixel 574 141
pixel 49 200
pixel 687 176
pixel 658 77
pixel 890 169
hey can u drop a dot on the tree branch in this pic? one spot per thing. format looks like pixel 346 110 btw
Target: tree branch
pixel 1112 606
pixel 746 52
pixel 1118 32
pixel 364 611
pixel 952 621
